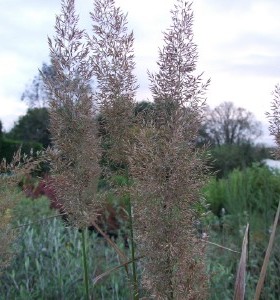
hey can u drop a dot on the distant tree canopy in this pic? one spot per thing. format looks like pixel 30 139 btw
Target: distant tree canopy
pixel 1 129
pixel 9 146
pixel 231 132
pixel 32 127
pixel 229 125
pixel 226 158
pixel 1 137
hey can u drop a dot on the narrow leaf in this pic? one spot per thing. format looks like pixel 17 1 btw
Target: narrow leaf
pixel 97 278
pixel 239 289
pixel 121 254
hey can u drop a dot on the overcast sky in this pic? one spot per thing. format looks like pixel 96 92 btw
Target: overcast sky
pixel 238 44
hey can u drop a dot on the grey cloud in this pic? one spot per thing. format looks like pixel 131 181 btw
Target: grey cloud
pixel 254 65
pixel 236 5
pixel 228 5
pixel 270 42
pixel 261 55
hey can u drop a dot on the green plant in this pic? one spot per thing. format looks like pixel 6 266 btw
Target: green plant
pixel 48 265
pixel 9 147
pixel 245 196
pixel 10 176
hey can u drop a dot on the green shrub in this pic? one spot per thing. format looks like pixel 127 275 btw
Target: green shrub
pixel 9 147
pixel 253 190
pixel 245 196
pixel 226 158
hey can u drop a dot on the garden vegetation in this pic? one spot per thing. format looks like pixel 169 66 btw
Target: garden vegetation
pixel 180 234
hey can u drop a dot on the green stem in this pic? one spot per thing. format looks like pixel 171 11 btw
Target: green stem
pixel 135 281
pixel 86 284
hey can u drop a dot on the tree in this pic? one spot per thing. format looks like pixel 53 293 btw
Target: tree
pixel 1 129
pixel 32 127
pixel 226 158
pixel 229 125
pixel 1 136
pixel 36 94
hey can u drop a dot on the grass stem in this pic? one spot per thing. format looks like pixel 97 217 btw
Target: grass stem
pixel 85 265
pixel 134 271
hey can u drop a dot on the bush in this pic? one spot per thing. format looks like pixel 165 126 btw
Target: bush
pixel 253 190
pixel 226 158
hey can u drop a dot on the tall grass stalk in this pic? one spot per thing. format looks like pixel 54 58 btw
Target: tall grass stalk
pixel 113 66
pixel 75 156
pixel 240 282
pixel 85 264
pixel 168 171
pixel 133 250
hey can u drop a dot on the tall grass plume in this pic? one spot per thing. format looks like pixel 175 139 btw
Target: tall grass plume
pixel 168 171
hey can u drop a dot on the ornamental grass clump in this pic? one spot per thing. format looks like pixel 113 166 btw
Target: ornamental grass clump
pixel 76 152
pixel 168 171
pixel 158 158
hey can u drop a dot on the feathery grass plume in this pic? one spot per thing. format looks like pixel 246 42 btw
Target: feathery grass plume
pixel 113 65
pixel 10 176
pixel 274 119
pixel 168 170
pixel 76 154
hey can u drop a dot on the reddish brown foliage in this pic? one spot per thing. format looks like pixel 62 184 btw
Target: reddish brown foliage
pixel 111 219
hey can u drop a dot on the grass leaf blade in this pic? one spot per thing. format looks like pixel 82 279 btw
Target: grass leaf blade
pixel 239 289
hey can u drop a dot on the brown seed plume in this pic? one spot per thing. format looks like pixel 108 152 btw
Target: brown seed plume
pixel 76 154
pixel 168 170
pixel 274 119
pixel 113 66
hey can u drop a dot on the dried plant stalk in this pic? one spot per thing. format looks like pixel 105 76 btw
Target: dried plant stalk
pixel 168 171
pixel 240 282
pixel 76 154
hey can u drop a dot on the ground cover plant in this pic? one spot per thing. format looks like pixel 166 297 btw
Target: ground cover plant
pixel 48 259
pixel 48 255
